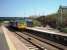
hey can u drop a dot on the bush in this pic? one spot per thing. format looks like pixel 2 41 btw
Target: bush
pixel 63 30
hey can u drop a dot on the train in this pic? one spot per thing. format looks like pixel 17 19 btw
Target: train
pixel 21 24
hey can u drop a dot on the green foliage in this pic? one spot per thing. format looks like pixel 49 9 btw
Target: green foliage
pixel 53 20
pixel 42 20
pixel 1 21
pixel 36 23
pixel 63 30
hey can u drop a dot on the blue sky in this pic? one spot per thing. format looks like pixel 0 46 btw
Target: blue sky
pixel 25 8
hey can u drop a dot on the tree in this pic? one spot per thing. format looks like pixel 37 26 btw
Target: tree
pixel 42 20
pixel 52 20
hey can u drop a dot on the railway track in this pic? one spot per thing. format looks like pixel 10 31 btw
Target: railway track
pixel 36 43
pixel 31 42
pixel 28 44
pixel 59 46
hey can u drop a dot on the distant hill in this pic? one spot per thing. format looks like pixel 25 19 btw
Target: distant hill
pixel 10 18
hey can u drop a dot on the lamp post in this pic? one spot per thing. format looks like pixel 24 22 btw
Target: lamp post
pixel 61 16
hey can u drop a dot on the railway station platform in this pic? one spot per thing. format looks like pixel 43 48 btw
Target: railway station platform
pixel 10 40
pixel 47 30
pixel 3 42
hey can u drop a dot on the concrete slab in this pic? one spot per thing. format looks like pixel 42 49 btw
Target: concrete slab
pixel 3 42
pixel 47 31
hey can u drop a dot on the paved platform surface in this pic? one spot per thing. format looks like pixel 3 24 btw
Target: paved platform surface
pixel 3 42
pixel 47 30
pixel 13 42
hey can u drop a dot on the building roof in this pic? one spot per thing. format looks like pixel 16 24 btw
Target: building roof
pixel 63 7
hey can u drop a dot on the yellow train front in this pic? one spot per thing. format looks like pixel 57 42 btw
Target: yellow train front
pixel 21 24
pixel 25 23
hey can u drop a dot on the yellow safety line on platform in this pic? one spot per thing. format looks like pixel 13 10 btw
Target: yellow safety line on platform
pixel 10 44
